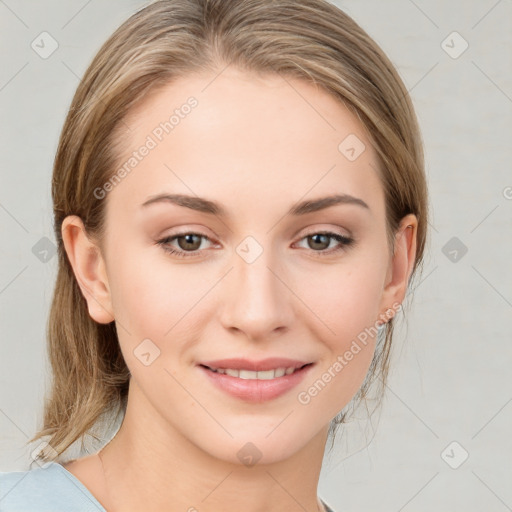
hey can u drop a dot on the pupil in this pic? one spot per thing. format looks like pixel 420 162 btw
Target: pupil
pixel 323 244
pixel 189 242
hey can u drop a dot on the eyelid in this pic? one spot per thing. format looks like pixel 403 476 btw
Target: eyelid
pixel 173 236
pixel 344 242
pixel 186 229
pixel 329 228
pixel 310 230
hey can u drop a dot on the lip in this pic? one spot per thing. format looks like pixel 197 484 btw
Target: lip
pixel 238 363
pixel 255 390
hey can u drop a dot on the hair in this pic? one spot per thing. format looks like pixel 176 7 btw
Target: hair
pixel 312 40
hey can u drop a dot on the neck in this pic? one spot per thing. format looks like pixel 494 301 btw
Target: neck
pixel 150 465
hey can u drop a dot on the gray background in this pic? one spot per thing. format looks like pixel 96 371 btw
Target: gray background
pixel 450 379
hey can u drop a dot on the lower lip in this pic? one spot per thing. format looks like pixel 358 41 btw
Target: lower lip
pixel 255 390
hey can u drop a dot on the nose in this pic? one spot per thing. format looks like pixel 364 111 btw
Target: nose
pixel 256 299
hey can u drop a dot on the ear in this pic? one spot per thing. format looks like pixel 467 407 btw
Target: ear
pixel 89 269
pixel 400 267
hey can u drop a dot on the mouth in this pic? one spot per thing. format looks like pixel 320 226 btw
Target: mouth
pixel 255 385
pixel 274 373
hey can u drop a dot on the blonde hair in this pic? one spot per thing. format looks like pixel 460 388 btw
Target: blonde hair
pixel 312 40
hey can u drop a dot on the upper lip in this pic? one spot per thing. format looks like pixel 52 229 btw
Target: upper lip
pixel 238 363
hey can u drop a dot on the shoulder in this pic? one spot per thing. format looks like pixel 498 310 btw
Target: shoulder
pixel 50 488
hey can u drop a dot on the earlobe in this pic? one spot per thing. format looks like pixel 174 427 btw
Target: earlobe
pixel 401 265
pixel 89 269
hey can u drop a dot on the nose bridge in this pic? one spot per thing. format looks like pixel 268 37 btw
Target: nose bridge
pixel 255 300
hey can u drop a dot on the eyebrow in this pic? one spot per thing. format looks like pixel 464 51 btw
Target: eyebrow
pixel 206 206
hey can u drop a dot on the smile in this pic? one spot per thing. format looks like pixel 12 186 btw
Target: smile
pixel 261 375
pixel 256 386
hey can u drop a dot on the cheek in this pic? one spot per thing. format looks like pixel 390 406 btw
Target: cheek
pixel 346 303
pixel 155 303
pixel 150 294
pixel 345 298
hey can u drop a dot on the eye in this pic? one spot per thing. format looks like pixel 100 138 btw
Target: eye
pixel 188 242
pixel 320 241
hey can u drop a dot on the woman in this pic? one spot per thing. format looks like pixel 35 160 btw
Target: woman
pixel 240 206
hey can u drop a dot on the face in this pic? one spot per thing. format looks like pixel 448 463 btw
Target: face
pixel 239 269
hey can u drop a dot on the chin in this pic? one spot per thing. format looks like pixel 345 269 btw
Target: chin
pixel 258 447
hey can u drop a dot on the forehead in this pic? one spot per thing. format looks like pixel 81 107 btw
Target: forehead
pixel 244 140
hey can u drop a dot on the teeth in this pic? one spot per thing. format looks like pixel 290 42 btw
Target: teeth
pixel 279 372
pixel 262 375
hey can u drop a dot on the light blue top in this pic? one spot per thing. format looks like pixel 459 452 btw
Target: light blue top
pixel 51 488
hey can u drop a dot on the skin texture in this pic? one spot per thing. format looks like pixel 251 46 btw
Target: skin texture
pixel 257 145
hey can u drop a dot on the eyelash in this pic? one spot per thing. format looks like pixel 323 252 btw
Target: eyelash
pixel 344 241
